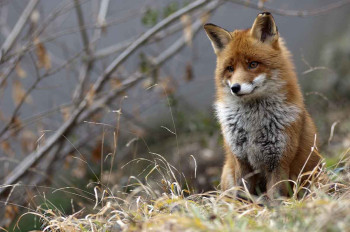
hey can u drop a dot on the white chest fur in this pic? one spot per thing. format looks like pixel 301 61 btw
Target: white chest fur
pixel 255 129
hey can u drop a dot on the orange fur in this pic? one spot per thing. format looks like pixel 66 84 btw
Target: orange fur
pixel 262 43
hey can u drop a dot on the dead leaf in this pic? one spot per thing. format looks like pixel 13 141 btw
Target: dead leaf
pixel 188 34
pixel 66 112
pixel 137 131
pixel 35 16
pixel 28 141
pixel 103 25
pixel 261 3
pixel 91 96
pixel 79 169
pixel 110 177
pixel 6 147
pixel 3 80
pixel 2 117
pixel 15 125
pixel 44 60
pixel 97 117
pixel 20 71
pixel 116 83
pixel 68 162
pixel 204 17
pixel 169 86
pixel 147 83
pixel 189 72
pixel 97 152
pixel 18 93
pixel 11 212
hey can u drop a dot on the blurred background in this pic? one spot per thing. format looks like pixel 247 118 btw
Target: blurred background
pixel 92 92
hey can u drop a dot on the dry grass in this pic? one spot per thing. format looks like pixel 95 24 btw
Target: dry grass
pixel 159 203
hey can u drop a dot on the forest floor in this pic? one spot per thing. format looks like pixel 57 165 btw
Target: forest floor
pixel 163 204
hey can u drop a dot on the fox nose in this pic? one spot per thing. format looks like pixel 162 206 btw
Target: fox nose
pixel 236 88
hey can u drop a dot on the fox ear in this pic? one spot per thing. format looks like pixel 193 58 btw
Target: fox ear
pixel 264 28
pixel 218 36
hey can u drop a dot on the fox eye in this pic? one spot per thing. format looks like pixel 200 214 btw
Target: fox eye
pixel 253 64
pixel 229 68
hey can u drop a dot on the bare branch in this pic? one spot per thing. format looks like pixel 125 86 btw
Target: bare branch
pixel 84 70
pixel 4 135
pixel 312 68
pixel 83 32
pixel 8 70
pixel 27 121
pixel 22 100
pixel 29 45
pixel 5 31
pixel 110 50
pixel 10 40
pixel 89 48
pixel 316 68
pixel 142 39
pixel 164 56
pixel 298 13
pixel 318 94
pixel 34 157
pixel 101 18
pixel 19 105
pixel 159 60
pixel 137 77
pixel 101 21
pixel 113 48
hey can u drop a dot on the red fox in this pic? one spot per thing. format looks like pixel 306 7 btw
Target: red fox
pixel 268 133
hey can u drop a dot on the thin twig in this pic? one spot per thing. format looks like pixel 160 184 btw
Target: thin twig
pixel 87 65
pixel 137 77
pixel 141 40
pixel 9 124
pixel 298 13
pixel 83 33
pixel 22 100
pixel 5 31
pixel 101 18
pixel 11 65
pixel 10 40
pixel 68 125
pixel 332 131
pixel 30 44
pixel 113 49
pixel 318 94
pixel 311 68
pixel 66 31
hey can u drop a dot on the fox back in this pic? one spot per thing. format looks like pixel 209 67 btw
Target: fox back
pixel 267 131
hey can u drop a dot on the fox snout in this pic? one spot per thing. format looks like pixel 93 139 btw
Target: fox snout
pixel 245 88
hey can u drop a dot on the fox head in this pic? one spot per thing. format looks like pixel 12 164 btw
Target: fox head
pixel 250 63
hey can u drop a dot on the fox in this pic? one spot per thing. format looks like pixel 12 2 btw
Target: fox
pixel 269 136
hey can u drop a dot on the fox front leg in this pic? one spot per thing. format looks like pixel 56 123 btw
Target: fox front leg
pixel 278 184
